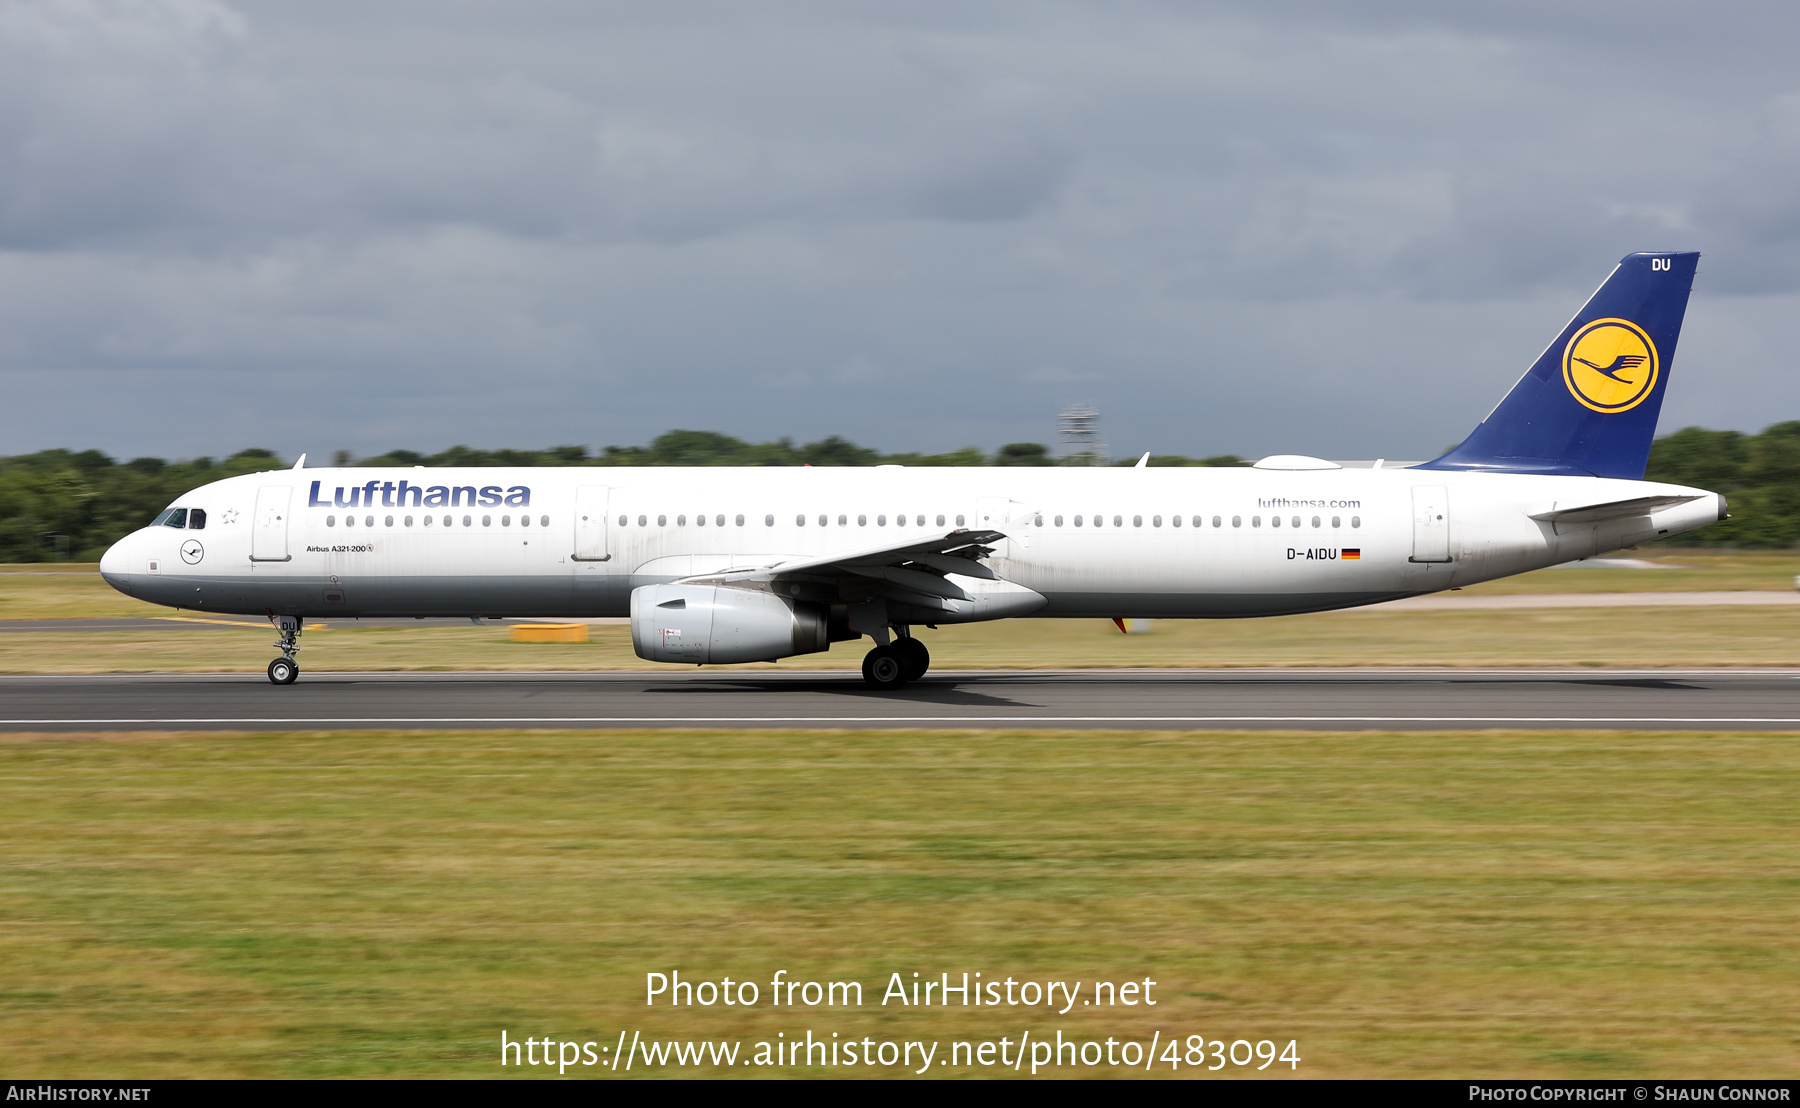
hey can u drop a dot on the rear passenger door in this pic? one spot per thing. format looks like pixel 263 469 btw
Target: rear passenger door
pixel 1431 523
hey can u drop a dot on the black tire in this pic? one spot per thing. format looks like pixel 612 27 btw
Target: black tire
pixel 914 656
pixel 884 669
pixel 283 671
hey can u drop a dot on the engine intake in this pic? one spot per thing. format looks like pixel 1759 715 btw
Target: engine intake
pixel 700 624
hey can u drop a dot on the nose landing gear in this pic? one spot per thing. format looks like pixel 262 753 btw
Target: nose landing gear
pixel 286 669
pixel 889 667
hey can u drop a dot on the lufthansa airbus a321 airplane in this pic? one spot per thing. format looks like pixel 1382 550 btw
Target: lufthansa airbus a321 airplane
pixel 755 564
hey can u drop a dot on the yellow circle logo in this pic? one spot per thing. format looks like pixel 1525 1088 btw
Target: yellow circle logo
pixel 1610 365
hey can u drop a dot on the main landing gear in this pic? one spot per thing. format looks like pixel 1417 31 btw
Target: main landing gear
pixel 286 669
pixel 889 667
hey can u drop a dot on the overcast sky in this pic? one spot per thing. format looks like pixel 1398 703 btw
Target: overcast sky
pixel 1257 228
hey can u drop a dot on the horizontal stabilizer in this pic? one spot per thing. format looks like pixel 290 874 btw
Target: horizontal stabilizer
pixel 1612 509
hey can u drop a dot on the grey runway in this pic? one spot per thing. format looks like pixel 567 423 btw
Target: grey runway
pixel 1306 699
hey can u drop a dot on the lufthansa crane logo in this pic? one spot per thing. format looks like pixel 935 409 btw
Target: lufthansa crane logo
pixel 192 552
pixel 1610 365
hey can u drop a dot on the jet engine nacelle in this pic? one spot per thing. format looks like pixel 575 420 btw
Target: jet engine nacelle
pixel 709 624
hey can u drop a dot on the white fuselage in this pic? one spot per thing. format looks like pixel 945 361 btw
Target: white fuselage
pixel 575 542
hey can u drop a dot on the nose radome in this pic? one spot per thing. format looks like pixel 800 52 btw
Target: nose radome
pixel 114 564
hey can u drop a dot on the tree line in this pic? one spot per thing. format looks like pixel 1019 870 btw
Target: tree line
pixel 66 505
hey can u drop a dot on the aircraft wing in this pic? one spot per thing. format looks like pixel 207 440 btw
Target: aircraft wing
pixel 911 572
pixel 1611 509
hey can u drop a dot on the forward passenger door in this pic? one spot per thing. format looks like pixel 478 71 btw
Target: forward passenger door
pixel 269 525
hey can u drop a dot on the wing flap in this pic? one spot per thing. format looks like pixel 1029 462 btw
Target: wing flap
pixel 906 572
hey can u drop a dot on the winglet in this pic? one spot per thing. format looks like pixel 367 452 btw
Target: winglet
pixel 1144 461
pixel 1120 623
pixel 301 463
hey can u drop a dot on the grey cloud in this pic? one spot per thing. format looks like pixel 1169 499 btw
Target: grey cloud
pixel 1233 226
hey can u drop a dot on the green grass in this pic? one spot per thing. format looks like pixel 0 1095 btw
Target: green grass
pixel 1685 570
pixel 1458 904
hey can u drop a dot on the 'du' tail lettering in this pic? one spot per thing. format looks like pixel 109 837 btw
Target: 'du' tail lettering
pixel 1588 405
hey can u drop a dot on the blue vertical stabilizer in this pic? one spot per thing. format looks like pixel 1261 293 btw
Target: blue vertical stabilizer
pixel 1589 404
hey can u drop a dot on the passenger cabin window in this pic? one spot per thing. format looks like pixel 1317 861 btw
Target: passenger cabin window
pixel 1119 521
pixel 1078 521
pixel 1356 521
pixel 959 521
pixel 719 520
pixel 1137 521
pixel 1274 521
pixel 196 519
pixel 390 521
pixel 940 521
pixel 768 521
pixel 740 521
pixel 1234 520
pixel 331 521
pixel 1255 521
pixel 1315 521
pixel 1337 521
pixel 862 521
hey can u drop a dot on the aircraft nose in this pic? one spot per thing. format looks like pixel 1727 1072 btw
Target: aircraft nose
pixel 113 564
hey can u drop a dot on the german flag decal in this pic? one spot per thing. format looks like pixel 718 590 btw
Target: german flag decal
pixel 1351 554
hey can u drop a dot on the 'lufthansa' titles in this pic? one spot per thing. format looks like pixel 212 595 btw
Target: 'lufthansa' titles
pixel 407 495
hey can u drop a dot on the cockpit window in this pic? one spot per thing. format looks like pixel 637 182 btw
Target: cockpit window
pixel 196 519
pixel 174 517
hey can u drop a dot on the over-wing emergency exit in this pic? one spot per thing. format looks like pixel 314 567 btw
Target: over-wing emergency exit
pixel 721 565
